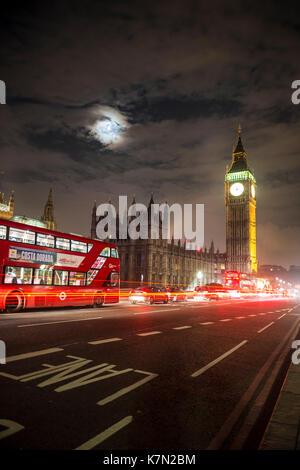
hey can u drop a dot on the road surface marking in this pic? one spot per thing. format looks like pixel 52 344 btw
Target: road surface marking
pixel 125 390
pixel 259 331
pixel 155 311
pixel 19 357
pixel 181 327
pixel 262 313
pixel 150 333
pixel 60 321
pixel 239 318
pixel 96 440
pixel 252 315
pixel 220 358
pixel 227 319
pixel 102 341
pixel 207 323
pixel 281 316
pixel 11 428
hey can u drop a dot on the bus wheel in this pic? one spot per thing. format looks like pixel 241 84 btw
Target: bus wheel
pixel 98 301
pixel 14 302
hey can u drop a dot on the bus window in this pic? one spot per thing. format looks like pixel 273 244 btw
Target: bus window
pixel 90 246
pixel 60 278
pixel 62 243
pixel 91 274
pixel 113 280
pixel 77 279
pixel 78 246
pixel 105 252
pixel 43 239
pixel 17 275
pixel 43 276
pixel 99 262
pixel 114 253
pixel 3 232
pixel 21 236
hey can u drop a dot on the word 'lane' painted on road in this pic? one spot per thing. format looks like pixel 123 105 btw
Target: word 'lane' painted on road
pixel 69 371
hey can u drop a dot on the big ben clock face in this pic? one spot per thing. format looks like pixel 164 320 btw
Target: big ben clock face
pixel 252 191
pixel 236 189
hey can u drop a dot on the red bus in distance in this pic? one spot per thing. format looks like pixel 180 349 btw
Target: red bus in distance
pixel 45 268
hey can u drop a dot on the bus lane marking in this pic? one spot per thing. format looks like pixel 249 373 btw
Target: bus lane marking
pixel 12 427
pixel 43 352
pixel 99 438
pixel 220 358
pixel 69 370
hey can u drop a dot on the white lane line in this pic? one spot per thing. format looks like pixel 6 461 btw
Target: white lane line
pixel 265 327
pixel 263 313
pixel 55 322
pixel 102 341
pixel 155 311
pixel 239 318
pixel 227 319
pixel 96 440
pixel 281 316
pixel 150 333
pixel 181 327
pixel 252 315
pixel 220 358
pixel 43 352
pixel 207 323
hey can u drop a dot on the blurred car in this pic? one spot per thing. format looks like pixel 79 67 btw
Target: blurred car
pixel 176 295
pixel 213 291
pixel 148 295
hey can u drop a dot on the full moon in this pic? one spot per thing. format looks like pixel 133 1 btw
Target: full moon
pixel 108 131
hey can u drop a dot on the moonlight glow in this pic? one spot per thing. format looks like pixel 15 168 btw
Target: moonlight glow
pixel 108 131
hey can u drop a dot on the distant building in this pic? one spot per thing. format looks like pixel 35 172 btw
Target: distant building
pixel 47 220
pixel 164 262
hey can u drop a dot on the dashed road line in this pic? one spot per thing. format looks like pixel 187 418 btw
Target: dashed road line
pixel 207 323
pixel 281 316
pixel 150 333
pixel 102 341
pixel 265 327
pixel 227 319
pixel 252 315
pixel 239 318
pixel 220 358
pixel 182 327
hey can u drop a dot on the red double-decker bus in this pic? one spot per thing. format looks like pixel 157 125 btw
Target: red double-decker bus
pixel 45 268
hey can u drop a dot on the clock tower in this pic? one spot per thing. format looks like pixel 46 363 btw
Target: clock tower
pixel 240 201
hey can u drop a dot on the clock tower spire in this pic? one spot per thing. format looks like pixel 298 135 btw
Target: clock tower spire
pixel 240 201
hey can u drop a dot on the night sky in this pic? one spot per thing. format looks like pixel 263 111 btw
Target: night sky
pixel 114 98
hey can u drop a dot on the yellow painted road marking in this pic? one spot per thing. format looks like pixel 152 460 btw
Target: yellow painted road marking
pixel 102 341
pixel 259 331
pixel 19 357
pixel 125 390
pixel 150 333
pixel 11 428
pixel 96 440
pixel 220 358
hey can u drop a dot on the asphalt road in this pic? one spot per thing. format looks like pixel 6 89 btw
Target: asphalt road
pixel 164 377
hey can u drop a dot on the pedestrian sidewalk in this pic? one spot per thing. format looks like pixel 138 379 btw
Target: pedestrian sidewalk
pixel 283 431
